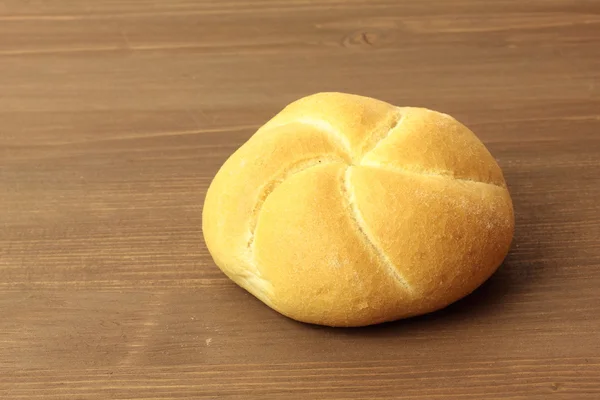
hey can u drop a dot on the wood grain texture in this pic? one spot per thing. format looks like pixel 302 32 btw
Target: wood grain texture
pixel 115 115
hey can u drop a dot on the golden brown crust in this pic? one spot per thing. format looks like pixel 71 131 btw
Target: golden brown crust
pixel 347 211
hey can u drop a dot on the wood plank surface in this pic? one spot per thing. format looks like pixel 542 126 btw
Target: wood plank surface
pixel 115 115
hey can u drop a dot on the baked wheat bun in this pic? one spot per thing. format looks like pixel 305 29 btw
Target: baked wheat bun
pixel 347 211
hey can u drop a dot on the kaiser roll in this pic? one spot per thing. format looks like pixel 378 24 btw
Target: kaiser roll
pixel 344 210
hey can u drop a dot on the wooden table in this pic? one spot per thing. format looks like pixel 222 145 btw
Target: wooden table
pixel 115 115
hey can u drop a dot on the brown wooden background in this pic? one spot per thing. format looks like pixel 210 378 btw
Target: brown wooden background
pixel 115 115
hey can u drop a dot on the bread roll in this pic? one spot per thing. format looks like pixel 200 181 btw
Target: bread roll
pixel 344 210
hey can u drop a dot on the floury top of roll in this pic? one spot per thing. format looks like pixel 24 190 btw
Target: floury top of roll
pixel 344 210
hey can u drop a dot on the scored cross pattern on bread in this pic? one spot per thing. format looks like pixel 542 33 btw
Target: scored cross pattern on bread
pixel 344 210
